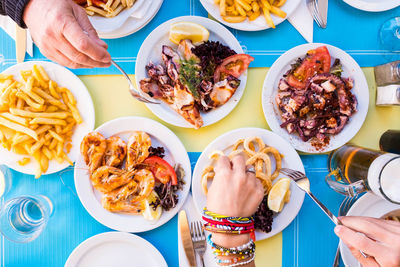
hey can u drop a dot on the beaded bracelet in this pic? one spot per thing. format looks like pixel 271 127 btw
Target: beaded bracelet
pixel 218 217
pixel 240 262
pixel 246 249
pixel 227 229
pixel 232 260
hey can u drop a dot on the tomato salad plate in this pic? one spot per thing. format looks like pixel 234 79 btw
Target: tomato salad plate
pixel 195 67
pixel 315 96
pixel 267 153
pixel 132 174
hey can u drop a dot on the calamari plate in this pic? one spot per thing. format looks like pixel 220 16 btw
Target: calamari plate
pixel 290 160
pixel 368 205
pixel 64 78
pixel 258 24
pixel 160 136
pixel 150 51
pixel 115 249
pixel 350 69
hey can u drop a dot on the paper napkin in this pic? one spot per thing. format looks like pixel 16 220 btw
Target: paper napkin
pixel 8 25
pixel 302 20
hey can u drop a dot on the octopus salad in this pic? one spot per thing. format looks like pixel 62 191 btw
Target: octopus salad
pixel 314 99
pixel 133 177
pixel 195 78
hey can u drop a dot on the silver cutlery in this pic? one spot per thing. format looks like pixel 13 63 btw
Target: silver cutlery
pixel 199 239
pixel 303 183
pixel 315 12
pixel 344 208
pixel 136 94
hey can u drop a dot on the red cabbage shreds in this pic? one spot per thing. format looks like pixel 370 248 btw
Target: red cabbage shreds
pixel 211 54
pixel 167 193
pixel 263 217
pixel 157 151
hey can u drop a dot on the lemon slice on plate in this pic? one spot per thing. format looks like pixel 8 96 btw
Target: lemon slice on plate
pixel 279 195
pixel 188 30
pixel 149 213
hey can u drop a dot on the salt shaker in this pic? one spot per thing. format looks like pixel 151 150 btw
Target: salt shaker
pixel 387 79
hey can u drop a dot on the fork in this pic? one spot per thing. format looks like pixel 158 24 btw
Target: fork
pixel 199 239
pixel 312 7
pixel 304 184
pixel 344 208
pixel 136 94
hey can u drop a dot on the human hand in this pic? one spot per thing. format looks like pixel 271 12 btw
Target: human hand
pixel 63 33
pixel 378 238
pixel 234 192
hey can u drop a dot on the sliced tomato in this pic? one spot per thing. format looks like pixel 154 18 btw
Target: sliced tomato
pixel 161 170
pixel 316 61
pixel 234 65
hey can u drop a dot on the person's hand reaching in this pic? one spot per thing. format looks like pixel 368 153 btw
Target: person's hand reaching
pixel 379 239
pixel 63 33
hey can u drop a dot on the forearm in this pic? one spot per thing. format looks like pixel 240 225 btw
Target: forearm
pixel 14 9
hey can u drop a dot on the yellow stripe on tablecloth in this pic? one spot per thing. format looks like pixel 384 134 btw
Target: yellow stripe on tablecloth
pixel 112 100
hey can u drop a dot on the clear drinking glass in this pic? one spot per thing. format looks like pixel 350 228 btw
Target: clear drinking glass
pixel 389 36
pixel 23 218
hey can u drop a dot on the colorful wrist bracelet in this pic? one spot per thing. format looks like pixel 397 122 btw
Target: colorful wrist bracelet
pixel 240 263
pixel 223 218
pixel 246 249
pixel 233 260
pixel 224 222
pixel 227 229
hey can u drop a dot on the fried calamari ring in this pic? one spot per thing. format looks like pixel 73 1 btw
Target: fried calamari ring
pixel 216 154
pixel 278 160
pixel 249 146
pixel 208 173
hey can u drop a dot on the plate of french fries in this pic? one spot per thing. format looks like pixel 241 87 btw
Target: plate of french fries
pixel 45 110
pixel 250 15
pixel 109 15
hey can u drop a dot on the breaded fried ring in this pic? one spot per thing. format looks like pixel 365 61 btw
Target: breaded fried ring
pixel 208 173
pixel 216 154
pixel 248 142
pixel 278 160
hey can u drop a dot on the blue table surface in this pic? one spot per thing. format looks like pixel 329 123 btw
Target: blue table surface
pixel 308 241
pixel 350 29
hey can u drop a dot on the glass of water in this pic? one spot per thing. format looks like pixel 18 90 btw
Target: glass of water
pixel 23 218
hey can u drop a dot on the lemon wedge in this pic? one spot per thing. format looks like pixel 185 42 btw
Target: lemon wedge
pixel 279 195
pixel 149 213
pixel 188 30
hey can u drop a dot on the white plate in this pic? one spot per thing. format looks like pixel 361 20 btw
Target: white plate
pixel 373 5
pixel 291 160
pixel 64 78
pixel 151 51
pixel 368 205
pixel 104 24
pixel 133 25
pixel 160 136
pixel 115 249
pixel 256 25
pixel 350 69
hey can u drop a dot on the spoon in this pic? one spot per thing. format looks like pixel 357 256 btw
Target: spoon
pixel 136 94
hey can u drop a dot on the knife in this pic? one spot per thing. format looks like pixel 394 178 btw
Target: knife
pixel 323 12
pixel 187 242
pixel 20 43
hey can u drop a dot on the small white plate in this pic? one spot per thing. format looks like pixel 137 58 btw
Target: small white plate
pixel 115 249
pixel 63 78
pixel 258 24
pixel 368 205
pixel 133 25
pixel 160 135
pixel 373 5
pixel 350 69
pixel 290 160
pixel 104 24
pixel 151 51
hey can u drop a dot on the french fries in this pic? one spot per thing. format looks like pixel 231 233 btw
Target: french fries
pixel 37 118
pixel 109 9
pixel 235 11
